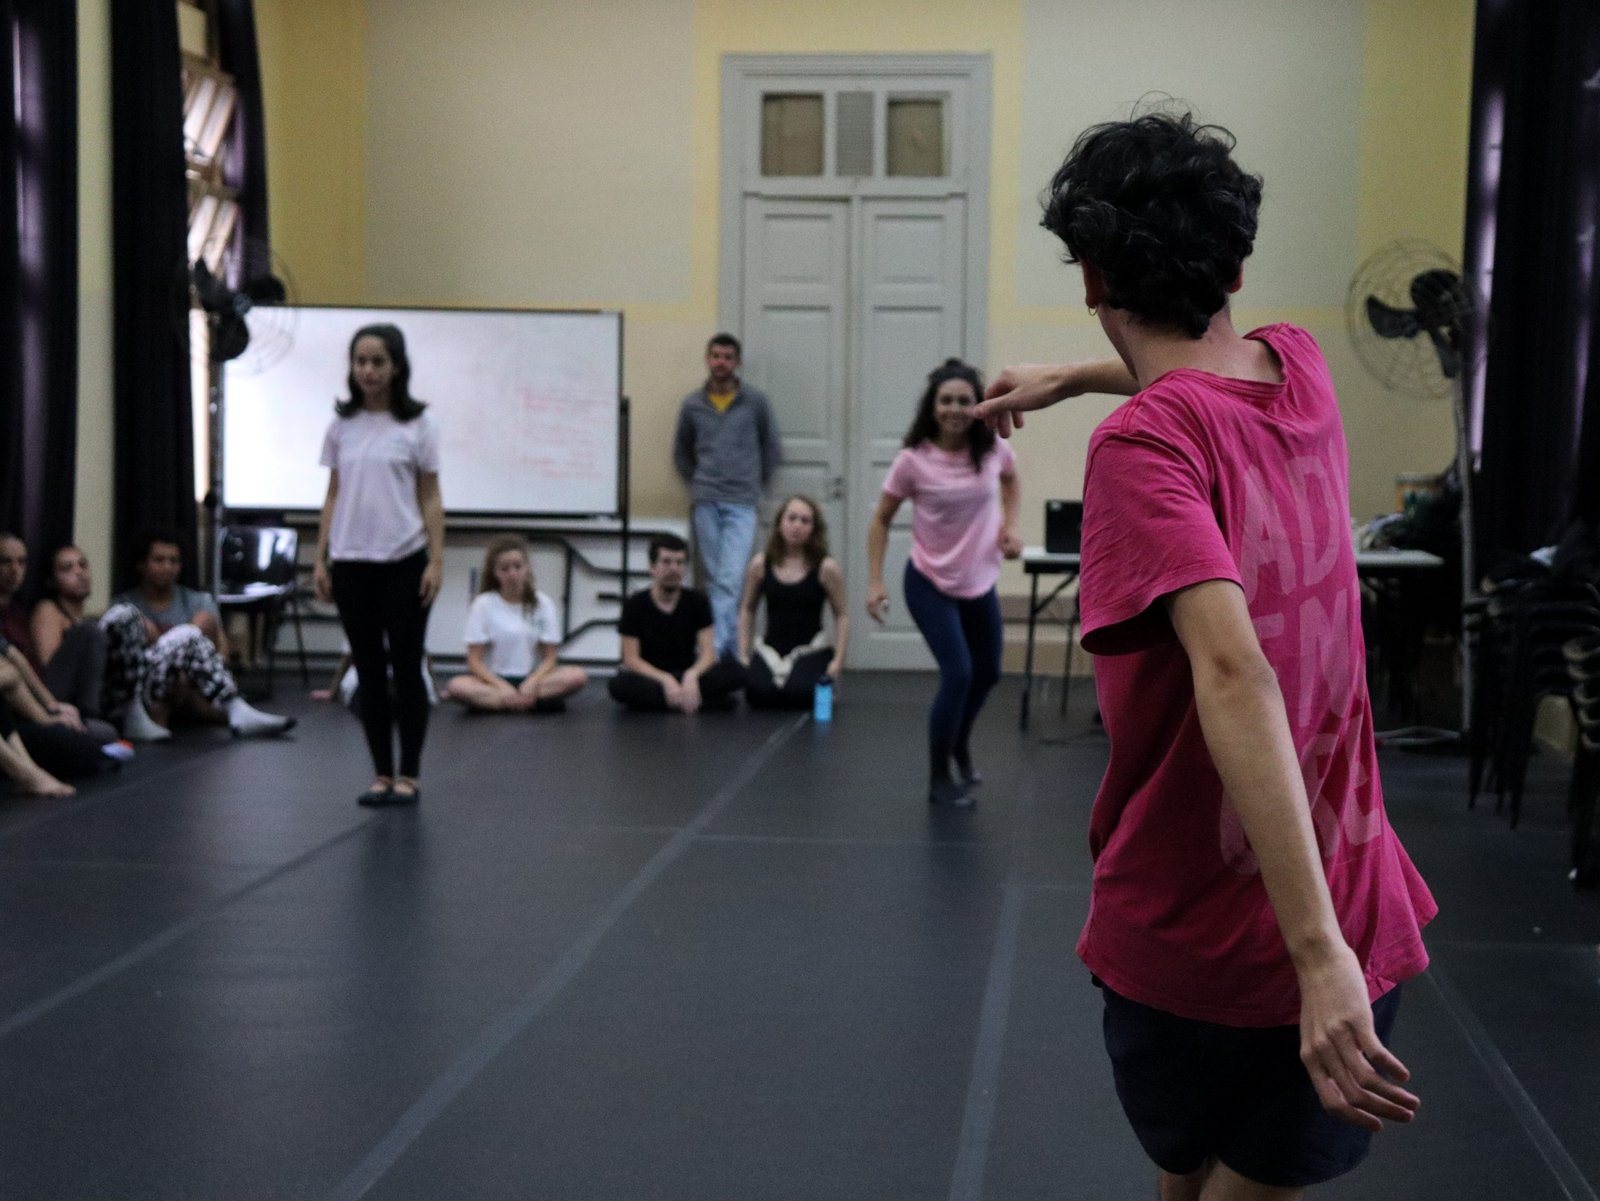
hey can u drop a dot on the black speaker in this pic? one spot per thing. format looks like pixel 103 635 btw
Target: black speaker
pixel 1063 527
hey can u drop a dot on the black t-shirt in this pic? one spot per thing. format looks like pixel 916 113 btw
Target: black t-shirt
pixel 669 641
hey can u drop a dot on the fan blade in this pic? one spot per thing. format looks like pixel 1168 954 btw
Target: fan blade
pixel 229 337
pixel 1444 345
pixel 1391 322
pixel 215 296
pixel 1442 301
pixel 266 289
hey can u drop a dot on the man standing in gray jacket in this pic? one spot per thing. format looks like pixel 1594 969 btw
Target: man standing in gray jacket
pixel 726 449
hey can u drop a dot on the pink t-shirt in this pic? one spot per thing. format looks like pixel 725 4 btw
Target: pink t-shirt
pixel 955 529
pixel 1203 478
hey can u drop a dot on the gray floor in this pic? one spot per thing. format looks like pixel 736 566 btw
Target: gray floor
pixel 734 957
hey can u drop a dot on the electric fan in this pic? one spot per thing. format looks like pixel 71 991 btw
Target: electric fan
pixel 1411 318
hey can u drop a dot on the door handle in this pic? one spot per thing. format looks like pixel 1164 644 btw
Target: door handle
pixel 836 488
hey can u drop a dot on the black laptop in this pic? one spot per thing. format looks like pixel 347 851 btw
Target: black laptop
pixel 1063 527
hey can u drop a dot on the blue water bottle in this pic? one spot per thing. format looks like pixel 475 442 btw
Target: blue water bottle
pixel 822 700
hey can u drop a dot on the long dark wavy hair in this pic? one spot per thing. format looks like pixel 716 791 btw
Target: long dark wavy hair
pixel 1160 209
pixel 815 549
pixel 925 426
pixel 402 405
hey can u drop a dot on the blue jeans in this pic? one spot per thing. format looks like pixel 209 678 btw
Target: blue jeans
pixel 724 535
pixel 965 638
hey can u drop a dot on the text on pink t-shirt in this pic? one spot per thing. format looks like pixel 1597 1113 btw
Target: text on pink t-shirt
pixel 1202 478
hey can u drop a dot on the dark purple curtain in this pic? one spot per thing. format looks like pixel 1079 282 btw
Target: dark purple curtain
pixel 38 270
pixel 1535 173
pixel 154 458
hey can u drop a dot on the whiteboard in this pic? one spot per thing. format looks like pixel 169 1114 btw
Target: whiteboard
pixel 526 403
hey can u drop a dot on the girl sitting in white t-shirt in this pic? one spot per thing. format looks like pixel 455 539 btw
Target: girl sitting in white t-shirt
pixel 513 634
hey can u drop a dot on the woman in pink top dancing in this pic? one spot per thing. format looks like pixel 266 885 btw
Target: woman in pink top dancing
pixel 962 482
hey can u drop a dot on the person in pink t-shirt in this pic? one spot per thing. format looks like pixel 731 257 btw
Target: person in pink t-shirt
pixel 1253 913
pixel 963 485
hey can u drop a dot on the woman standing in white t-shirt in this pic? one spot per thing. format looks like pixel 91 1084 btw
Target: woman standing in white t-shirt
pixel 513 634
pixel 380 547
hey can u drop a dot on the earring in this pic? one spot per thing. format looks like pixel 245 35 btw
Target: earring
pixel 1091 309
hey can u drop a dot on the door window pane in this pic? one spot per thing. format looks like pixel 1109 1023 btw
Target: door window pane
pixel 791 134
pixel 916 137
pixel 853 133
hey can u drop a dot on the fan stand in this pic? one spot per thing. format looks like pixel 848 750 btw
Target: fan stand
pixel 1435 736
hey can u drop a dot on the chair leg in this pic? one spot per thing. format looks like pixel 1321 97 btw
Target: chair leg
pixel 299 638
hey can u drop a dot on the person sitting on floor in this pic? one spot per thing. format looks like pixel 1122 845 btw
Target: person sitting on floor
pixel 513 634
pixel 13 571
pixel 669 656
pixel 796 577
pixel 67 646
pixel 57 738
pixel 17 766
pixel 164 656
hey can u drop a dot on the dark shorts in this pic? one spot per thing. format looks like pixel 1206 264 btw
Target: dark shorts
pixel 1193 1090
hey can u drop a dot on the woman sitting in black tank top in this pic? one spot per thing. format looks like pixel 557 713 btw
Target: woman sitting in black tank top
pixel 795 576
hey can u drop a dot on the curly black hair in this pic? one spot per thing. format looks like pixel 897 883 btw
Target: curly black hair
pixel 925 426
pixel 1160 209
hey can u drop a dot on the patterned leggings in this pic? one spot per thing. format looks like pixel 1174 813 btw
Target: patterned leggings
pixel 148 673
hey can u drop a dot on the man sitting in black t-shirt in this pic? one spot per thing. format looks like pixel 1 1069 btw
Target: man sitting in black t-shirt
pixel 669 657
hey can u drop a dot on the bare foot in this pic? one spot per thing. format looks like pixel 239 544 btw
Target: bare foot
pixel 41 783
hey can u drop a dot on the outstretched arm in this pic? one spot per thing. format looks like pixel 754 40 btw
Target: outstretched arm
pixel 1246 729
pixel 1031 386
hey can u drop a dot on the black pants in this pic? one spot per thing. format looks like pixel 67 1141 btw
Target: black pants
pixel 797 692
pixel 75 672
pixel 717 686
pixel 383 616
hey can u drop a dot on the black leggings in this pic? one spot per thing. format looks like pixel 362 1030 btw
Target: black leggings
pixel 717 686
pixel 380 603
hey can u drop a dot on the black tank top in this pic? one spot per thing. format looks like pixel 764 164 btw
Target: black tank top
pixel 794 611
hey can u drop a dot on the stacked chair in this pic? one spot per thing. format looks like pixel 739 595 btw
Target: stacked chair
pixel 1536 633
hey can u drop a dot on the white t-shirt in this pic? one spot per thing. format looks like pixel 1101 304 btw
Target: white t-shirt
pixel 513 632
pixel 376 517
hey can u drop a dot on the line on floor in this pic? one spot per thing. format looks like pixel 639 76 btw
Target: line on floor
pixel 1569 1177
pixel 149 947
pixel 983 1084
pixel 157 942
pixel 499 1034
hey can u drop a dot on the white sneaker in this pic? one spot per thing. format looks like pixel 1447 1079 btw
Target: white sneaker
pixel 139 726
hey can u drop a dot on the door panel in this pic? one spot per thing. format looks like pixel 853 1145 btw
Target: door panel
pixel 911 319
pixel 796 289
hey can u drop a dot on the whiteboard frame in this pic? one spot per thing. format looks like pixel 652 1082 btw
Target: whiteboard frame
pixel 619 510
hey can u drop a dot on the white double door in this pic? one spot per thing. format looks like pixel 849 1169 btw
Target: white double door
pixel 848 304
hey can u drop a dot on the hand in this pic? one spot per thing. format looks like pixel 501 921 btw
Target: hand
pixel 68 715
pixel 689 694
pixel 1018 390
pixel 673 692
pixel 835 670
pixel 321 582
pixel 1010 544
pixel 877 602
pixel 322 694
pixel 1347 1064
pixel 432 577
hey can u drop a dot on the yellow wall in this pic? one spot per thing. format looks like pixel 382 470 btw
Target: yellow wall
pixel 93 495
pixel 314 93
pixel 533 152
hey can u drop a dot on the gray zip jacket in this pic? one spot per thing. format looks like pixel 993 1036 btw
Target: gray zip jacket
pixel 727 457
